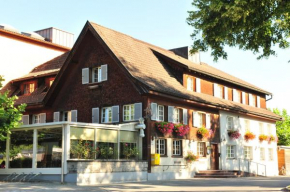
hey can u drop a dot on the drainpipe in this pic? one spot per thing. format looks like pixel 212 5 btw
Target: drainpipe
pixel 271 97
pixel 62 155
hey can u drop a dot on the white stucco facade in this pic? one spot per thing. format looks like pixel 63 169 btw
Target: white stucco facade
pixel 18 58
pixel 263 155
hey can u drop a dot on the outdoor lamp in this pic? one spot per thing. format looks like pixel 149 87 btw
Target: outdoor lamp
pixel 141 126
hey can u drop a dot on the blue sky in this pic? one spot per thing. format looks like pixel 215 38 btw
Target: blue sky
pixel 160 22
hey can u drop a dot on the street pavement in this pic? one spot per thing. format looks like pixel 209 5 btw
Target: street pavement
pixel 227 184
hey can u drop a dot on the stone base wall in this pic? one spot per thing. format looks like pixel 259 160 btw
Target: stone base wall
pixel 106 166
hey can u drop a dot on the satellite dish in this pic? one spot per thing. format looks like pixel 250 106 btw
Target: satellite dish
pixel 8 28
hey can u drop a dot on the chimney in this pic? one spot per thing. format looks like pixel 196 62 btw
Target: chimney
pixel 185 53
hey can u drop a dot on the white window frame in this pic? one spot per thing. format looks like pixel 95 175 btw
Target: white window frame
pixel 36 119
pixel 262 154
pixel 200 119
pixel 261 128
pixel 131 111
pixel 107 115
pixel 28 88
pixel 160 112
pixel 201 149
pixel 232 123
pixel 160 146
pixel 189 84
pixel 271 154
pixel 97 70
pixel 176 115
pixel 248 152
pixel 231 151
pixel 176 147
pixel 68 114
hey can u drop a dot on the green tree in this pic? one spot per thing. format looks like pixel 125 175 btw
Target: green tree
pixel 283 127
pixel 255 25
pixel 10 115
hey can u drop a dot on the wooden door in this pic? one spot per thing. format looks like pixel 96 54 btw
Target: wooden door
pixel 214 157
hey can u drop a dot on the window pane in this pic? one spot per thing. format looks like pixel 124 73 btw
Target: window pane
pixel 21 149
pixel 82 143
pixel 105 150
pixel 49 148
pixel 128 151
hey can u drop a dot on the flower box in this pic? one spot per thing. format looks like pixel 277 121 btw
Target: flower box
pixel 203 133
pixel 249 136
pixel 181 129
pixel 190 157
pixel 234 134
pixel 263 137
pixel 272 138
pixel 165 127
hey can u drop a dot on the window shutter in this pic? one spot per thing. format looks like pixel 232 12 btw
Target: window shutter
pixel 25 119
pixel 95 115
pixel 250 99
pixel 258 102
pixel 195 119
pixel 170 113
pixel 115 114
pixel 207 124
pixel 42 117
pixel 226 93
pixel 215 90
pixel 104 71
pixel 244 97
pixel 184 116
pixel 74 116
pixel 137 111
pixel 154 111
pixel 56 117
pixel 85 75
pixel 197 81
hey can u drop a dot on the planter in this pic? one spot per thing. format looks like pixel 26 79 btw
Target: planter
pixel 165 127
pixel 263 137
pixel 234 134
pixel 181 129
pixel 249 136
pixel 203 133
pixel 190 157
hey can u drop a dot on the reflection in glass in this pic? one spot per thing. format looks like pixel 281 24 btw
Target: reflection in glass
pixel 21 149
pixel 49 148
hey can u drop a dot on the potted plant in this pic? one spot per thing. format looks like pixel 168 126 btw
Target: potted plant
pixel 190 157
pixel 203 133
pixel 181 129
pixel 263 137
pixel 234 134
pixel 271 138
pixel 249 136
pixel 129 152
pixel 165 127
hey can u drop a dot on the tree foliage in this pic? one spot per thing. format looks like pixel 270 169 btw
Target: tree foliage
pixel 283 127
pixel 255 25
pixel 10 115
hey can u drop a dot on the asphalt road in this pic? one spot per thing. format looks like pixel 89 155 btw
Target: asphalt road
pixel 228 184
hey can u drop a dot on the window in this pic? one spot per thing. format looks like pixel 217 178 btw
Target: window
pixel 231 151
pixel 230 122
pixel 160 113
pixel 247 152
pixel 28 88
pixel 252 100
pixel 66 116
pixel 176 115
pixel 128 112
pixel 161 146
pixel 247 125
pixel 261 128
pixel 176 146
pixel 262 154
pixel 36 119
pixel 201 149
pixel 96 74
pixel 269 129
pixel 189 84
pixel 107 115
pixel 270 153
pixel 218 91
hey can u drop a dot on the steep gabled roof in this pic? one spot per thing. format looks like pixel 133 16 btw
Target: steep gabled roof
pixel 140 61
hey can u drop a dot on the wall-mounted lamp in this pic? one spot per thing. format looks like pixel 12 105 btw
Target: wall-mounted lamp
pixel 141 126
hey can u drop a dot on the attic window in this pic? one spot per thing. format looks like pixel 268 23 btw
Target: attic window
pixel 28 88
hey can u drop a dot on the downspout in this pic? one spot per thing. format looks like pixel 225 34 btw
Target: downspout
pixel 62 155
pixel 271 97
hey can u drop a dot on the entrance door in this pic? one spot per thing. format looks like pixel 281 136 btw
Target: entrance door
pixel 214 157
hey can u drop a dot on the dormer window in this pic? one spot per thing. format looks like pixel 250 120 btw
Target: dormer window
pixel 28 88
